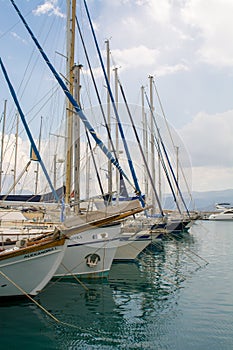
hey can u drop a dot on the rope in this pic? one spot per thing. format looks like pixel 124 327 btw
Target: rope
pixel 75 277
pixel 191 251
pixel 36 302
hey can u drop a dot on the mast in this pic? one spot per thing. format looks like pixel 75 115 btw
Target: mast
pixel 76 135
pixel 77 108
pixel 22 116
pixel 109 121
pixel 37 165
pixel 141 150
pixel 136 184
pixel 16 147
pixel 145 139
pixel 159 142
pixel 87 173
pixel 152 147
pixel 2 143
pixel 177 167
pixel 116 130
pixel 55 171
pixel 70 78
pixel 168 128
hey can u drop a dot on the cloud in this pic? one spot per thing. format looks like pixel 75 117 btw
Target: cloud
pixel 160 10
pixel 132 57
pixel 49 7
pixel 17 37
pixel 195 30
pixel 167 70
pixel 212 24
pixel 211 178
pixel 209 140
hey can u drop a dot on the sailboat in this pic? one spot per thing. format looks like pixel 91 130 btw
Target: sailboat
pixel 94 241
pixel 27 270
pixel 27 267
pixel 95 231
pixel 176 221
pixel 134 239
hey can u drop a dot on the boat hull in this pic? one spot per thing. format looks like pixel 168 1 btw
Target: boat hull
pixel 28 270
pixel 90 254
pixel 130 246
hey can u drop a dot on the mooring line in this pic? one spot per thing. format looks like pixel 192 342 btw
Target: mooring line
pixel 75 277
pixel 36 303
pixel 191 251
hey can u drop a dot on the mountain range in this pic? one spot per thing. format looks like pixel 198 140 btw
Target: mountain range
pixel 203 201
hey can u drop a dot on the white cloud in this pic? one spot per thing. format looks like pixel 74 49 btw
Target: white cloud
pixel 49 7
pixel 170 40
pixel 160 10
pixel 211 178
pixel 167 70
pixel 17 37
pixel 135 57
pixel 208 139
pixel 212 21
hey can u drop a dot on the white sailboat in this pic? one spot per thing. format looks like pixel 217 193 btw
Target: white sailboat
pixel 91 251
pixel 73 227
pixel 90 254
pixel 131 244
pixel 27 270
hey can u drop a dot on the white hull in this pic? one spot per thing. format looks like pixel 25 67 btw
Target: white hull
pixel 226 215
pixel 28 270
pixel 221 218
pixel 130 246
pixel 90 254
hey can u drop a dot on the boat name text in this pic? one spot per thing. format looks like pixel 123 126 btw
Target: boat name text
pixel 40 252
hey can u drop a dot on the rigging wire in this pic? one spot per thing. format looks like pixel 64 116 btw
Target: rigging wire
pixel 136 185
pixel 70 97
pixel 165 152
pixel 140 148
pixel 169 131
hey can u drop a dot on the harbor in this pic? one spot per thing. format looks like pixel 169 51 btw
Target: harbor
pixel 167 299
pixel 116 207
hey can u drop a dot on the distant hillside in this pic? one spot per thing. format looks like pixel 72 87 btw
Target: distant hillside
pixel 203 201
pixel 207 200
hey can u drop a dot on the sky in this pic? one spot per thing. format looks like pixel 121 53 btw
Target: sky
pixel 186 45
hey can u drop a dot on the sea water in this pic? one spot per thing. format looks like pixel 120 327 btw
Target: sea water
pixel 177 295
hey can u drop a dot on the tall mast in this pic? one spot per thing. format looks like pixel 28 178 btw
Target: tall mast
pixel 109 118
pixel 37 165
pixel 117 131
pixel 87 173
pixel 70 78
pixel 77 108
pixel 76 135
pixel 16 148
pixel 145 139
pixel 2 143
pixel 152 147
pixel 177 168
pixel 22 116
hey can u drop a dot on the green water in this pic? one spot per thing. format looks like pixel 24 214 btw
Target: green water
pixel 169 299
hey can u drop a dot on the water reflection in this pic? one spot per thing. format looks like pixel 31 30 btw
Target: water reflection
pixel 137 304
pixel 116 311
